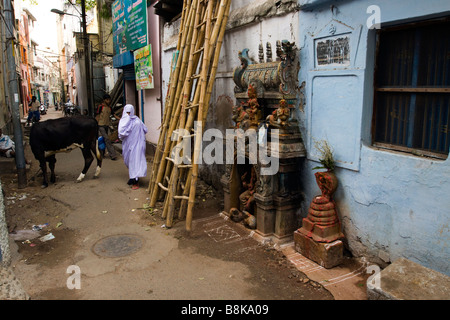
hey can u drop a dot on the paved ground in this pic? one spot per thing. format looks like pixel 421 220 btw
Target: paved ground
pixel 219 260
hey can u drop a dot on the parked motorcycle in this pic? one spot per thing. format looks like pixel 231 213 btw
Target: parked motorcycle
pixel 43 109
pixel 70 109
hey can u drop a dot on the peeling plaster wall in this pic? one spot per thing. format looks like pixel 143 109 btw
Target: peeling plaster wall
pixel 391 204
pixel 245 13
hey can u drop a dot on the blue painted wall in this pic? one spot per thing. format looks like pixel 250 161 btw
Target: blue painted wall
pixel 391 204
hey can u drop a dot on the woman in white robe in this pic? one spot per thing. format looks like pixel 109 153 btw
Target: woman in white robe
pixel 132 134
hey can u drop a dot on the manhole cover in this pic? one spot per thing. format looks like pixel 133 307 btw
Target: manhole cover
pixel 117 246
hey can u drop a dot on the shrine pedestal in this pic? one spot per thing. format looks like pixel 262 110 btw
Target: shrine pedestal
pixel 328 255
pixel 276 217
pixel 319 238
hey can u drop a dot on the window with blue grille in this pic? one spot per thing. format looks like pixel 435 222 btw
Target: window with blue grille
pixel 412 89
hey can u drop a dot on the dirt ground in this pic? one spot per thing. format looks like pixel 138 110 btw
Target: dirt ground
pixel 217 260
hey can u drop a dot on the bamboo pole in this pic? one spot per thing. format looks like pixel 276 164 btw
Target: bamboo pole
pixel 185 86
pixel 159 164
pixel 221 34
pixel 170 200
pixel 169 99
pixel 180 93
pixel 183 204
pixel 199 129
pixel 174 90
pixel 219 30
pixel 175 188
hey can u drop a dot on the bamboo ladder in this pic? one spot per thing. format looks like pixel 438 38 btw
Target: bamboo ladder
pixel 194 57
pixel 160 165
pixel 170 97
pixel 203 31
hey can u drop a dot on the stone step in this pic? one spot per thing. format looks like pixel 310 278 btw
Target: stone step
pixel 407 280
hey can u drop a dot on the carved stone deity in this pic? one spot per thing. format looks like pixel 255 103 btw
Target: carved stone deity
pixel 280 117
pixel 247 197
pixel 253 108
pixel 240 117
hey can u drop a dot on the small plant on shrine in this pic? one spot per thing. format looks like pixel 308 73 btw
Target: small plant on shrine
pixel 326 155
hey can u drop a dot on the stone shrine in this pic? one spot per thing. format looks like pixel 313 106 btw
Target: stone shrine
pixel 266 92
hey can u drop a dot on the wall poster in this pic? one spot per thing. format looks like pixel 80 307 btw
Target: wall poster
pixel 143 67
pixel 129 19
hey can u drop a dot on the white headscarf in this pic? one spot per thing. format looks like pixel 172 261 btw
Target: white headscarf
pixel 125 123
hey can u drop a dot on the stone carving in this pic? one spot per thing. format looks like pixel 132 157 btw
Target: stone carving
pixel 261 53
pixel 322 223
pixel 248 219
pixel 275 76
pixel 245 62
pixel 265 187
pixel 240 117
pixel 247 198
pixel 269 52
pixel 288 69
pixel 253 108
pixel 280 117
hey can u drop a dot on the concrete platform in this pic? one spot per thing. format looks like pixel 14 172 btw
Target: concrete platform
pixel 407 280
pixel 345 282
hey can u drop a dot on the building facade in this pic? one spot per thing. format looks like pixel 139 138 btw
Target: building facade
pixel 376 75
pixel 373 83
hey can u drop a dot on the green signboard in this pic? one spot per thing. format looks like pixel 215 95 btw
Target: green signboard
pixel 129 25
pixel 143 68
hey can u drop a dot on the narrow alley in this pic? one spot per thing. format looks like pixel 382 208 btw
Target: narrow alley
pixel 294 150
pixel 219 260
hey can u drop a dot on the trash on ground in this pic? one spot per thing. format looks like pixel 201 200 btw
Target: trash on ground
pixel 47 237
pixel 59 224
pixel 39 227
pixel 22 235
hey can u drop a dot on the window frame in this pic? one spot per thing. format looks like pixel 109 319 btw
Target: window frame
pixel 411 90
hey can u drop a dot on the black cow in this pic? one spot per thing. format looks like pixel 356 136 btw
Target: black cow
pixel 62 135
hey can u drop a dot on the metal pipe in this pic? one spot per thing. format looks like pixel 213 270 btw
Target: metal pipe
pixel 86 60
pixel 14 96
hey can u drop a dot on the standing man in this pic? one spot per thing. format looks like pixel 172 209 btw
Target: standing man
pixel 103 114
pixel 33 110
